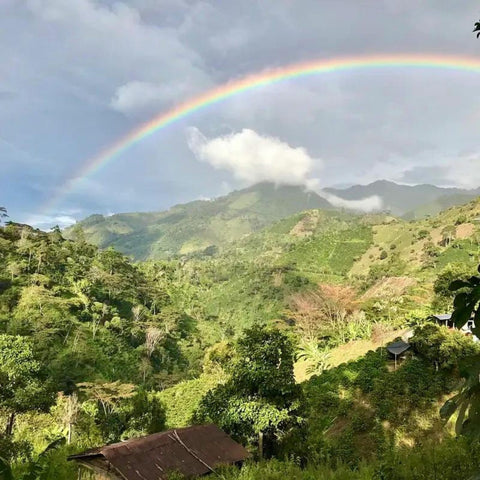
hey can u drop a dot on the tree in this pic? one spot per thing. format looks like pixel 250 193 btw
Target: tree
pixel 123 412
pixel 22 382
pixel 448 235
pixel 442 347
pixel 443 294
pixel 315 356
pixel 3 214
pixel 36 469
pixel 323 312
pixel 467 401
pixel 261 401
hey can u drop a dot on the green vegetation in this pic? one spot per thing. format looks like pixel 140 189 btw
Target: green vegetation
pixel 199 225
pixel 203 226
pixel 95 348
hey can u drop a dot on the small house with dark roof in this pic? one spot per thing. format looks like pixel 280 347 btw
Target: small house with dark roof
pixel 445 319
pixel 192 451
pixel 397 349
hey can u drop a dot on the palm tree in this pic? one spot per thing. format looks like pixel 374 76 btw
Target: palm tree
pixel 3 213
pixel 315 356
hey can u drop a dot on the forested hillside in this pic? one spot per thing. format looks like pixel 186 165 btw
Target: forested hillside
pixel 198 226
pixel 204 226
pixel 95 348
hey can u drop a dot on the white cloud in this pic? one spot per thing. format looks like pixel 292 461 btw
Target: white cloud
pixel 367 204
pixel 253 158
pixel 46 222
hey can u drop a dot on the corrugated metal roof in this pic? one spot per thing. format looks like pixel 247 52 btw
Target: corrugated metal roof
pixel 397 348
pixel 191 451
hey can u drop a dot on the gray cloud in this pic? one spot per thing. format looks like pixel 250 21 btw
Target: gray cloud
pixel 78 75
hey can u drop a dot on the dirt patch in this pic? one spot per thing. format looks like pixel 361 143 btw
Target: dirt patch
pixel 306 226
pixel 436 235
pixel 466 230
pixel 389 288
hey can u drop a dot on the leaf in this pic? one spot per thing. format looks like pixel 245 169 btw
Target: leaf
pixel 460 300
pixel 5 470
pixel 52 446
pixel 460 316
pixel 457 284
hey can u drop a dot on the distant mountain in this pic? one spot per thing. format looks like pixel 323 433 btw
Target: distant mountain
pixel 198 225
pixel 204 226
pixel 413 202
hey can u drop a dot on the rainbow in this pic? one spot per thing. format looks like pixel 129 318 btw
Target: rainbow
pixel 255 81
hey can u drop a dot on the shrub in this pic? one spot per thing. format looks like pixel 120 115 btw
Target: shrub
pixel 441 346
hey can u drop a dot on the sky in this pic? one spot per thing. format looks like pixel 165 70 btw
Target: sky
pixel 78 75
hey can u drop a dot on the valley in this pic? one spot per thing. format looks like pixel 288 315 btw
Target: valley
pixel 338 285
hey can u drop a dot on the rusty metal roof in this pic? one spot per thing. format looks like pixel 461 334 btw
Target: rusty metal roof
pixel 191 451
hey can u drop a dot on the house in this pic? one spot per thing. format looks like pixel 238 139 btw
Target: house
pixel 397 349
pixel 446 320
pixel 191 451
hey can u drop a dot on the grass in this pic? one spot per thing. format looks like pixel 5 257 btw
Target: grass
pixel 348 352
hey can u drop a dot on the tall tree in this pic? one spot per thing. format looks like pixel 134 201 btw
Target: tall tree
pixel 22 383
pixel 261 401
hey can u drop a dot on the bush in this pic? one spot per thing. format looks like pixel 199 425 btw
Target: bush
pixel 441 346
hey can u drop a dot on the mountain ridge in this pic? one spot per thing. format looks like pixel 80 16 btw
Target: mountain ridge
pixel 402 199
pixel 206 225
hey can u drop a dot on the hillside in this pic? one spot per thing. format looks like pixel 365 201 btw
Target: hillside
pixel 205 226
pixel 155 340
pixel 197 225
pixel 415 201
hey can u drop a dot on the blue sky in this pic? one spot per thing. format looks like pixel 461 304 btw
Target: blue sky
pixel 79 74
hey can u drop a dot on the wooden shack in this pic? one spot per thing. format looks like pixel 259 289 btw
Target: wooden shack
pixel 192 451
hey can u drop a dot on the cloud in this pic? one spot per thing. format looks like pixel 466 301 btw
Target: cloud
pixel 138 95
pixel 459 171
pixel 367 204
pixel 74 65
pixel 148 97
pixel 464 171
pixel 253 158
pixel 47 221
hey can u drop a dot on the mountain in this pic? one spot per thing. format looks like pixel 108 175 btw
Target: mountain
pixel 198 225
pixel 206 225
pixel 415 201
